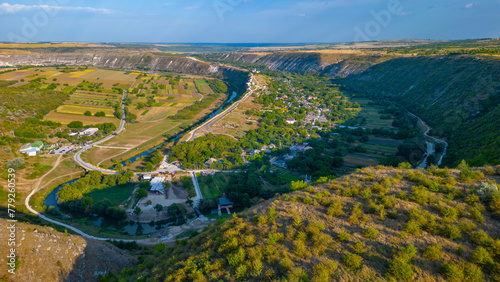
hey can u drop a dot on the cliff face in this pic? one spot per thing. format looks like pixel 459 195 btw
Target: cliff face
pixel 113 60
pixel 45 254
pixel 329 62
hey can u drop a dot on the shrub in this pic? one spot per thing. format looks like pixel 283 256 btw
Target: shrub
pixel 412 227
pixel 434 252
pixel 359 247
pixel 479 237
pixel 352 261
pixel 408 252
pixel 476 215
pixel 472 273
pixel 344 236
pixel 404 165
pixel 487 191
pixel 370 233
pixel 482 257
pixel 452 271
pixel 420 195
pixel 466 225
pixel 336 208
pixel 400 269
pixel 472 199
pixel 451 231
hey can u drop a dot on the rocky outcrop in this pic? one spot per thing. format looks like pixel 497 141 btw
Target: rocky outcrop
pixel 330 62
pixel 45 254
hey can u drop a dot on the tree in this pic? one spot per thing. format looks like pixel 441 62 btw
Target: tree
pixel 16 163
pixel 75 124
pixel 146 185
pixel 100 114
pixel 137 211
pixel 87 113
pixel 141 193
pixel 118 167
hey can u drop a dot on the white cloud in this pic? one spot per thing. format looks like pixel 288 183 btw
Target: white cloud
pixel 192 7
pixel 6 8
pixel 470 5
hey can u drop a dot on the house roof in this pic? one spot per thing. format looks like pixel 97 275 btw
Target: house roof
pixel 32 150
pixel 37 144
pixel 225 202
pixel 26 146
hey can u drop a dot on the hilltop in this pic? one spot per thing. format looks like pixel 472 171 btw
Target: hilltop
pixel 376 224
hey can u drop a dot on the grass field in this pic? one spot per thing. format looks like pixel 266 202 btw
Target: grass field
pixel 80 110
pixel 116 195
pixel 211 186
pixel 203 87
pixel 67 118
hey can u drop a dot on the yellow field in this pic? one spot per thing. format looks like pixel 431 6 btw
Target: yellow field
pixel 80 73
pixel 118 76
pixel 67 118
pixel 49 45
pixel 80 110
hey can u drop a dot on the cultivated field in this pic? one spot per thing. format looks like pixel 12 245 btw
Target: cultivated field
pixel 87 120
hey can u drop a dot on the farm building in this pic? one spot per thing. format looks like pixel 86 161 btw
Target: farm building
pixel 224 203
pixel 33 152
pixel 157 185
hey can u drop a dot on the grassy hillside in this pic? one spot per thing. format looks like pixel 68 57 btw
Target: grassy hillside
pixel 457 95
pixel 375 225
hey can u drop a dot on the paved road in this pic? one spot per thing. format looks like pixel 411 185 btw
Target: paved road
pixel 88 166
pixel 430 148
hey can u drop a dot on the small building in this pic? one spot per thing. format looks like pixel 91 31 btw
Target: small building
pixel 89 131
pixel 25 148
pixel 157 185
pixel 147 177
pixel 224 203
pixel 291 121
pixel 33 152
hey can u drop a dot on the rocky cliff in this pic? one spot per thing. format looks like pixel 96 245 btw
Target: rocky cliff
pixel 331 62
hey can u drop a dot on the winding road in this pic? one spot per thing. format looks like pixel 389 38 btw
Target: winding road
pixel 430 147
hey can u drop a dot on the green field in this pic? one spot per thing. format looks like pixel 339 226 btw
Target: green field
pixel 212 185
pixel 203 86
pixel 116 195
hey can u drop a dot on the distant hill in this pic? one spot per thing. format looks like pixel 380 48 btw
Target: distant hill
pixel 377 224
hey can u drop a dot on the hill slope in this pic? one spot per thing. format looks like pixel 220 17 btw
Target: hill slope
pixel 377 224
pixel 48 255
pixel 458 95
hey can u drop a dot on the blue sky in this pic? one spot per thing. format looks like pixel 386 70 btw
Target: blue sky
pixel 247 21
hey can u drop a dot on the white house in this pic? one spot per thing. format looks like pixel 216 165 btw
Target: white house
pixel 89 131
pixel 290 121
pixel 33 152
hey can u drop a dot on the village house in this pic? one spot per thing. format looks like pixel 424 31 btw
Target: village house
pixel 290 121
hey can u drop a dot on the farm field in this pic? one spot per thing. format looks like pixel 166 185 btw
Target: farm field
pixel 203 86
pixel 80 110
pixel 87 120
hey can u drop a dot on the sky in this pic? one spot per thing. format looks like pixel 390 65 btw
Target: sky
pixel 247 21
